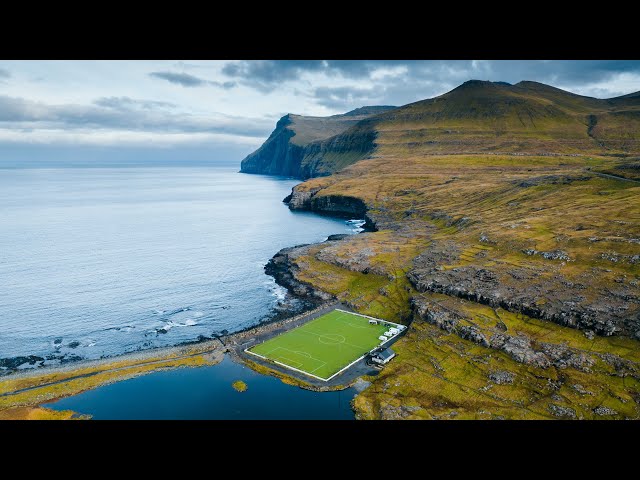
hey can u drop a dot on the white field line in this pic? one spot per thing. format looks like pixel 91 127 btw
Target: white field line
pixel 270 351
pixel 345 343
pixel 307 373
pixel 379 320
pixel 341 343
pixel 288 366
pixel 281 357
pixel 310 332
pixel 372 318
pixel 345 320
pixel 352 363
pixel 323 364
pixel 306 355
pixel 256 354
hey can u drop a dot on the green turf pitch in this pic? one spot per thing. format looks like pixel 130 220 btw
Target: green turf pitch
pixel 325 345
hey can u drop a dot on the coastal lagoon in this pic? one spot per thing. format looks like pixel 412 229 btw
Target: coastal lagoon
pixel 97 262
pixel 206 393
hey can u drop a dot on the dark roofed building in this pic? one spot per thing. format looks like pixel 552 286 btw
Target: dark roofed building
pixel 383 356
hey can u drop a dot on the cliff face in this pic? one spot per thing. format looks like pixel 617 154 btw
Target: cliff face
pixel 278 155
pixel 306 147
pixel 326 157
pixel 329 204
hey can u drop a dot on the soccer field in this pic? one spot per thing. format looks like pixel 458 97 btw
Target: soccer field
pixel 324 346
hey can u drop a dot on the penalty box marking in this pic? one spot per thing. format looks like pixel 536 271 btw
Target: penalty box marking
pixel 343 343
pixel 307 355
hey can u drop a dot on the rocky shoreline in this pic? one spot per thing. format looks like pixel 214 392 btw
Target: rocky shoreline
pixel 24 394
pixel 306 300
pixel 276 321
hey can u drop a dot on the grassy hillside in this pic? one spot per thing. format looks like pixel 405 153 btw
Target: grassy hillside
pixel 313 129
pixel 528 118
pixel 457 226
pixel 517 262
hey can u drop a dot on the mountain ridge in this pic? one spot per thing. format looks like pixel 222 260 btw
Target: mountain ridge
pixel 476 117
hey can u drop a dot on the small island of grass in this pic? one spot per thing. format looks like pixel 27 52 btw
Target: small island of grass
pixel 239 386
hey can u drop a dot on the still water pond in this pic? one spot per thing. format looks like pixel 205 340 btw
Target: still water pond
pixel 206 394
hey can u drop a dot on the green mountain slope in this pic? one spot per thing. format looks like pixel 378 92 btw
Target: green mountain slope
pixel 507 234
pixel 527 118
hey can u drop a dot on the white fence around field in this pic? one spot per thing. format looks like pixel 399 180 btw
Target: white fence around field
pixel 401 329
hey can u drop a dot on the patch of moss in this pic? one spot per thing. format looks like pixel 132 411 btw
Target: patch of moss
pixel 439 375
pixel 39 413
pixel 239 386
pixel 47 387
pixel 513 203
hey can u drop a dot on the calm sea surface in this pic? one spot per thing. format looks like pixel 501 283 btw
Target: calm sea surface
pixel 99 261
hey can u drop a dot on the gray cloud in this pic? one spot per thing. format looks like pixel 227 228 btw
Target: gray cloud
pixel 344 97
pixel 187 80
pixel 420 79
pixel 226 85
pixel 272 70
pixel 183 79
pixel 266 75
pixel 126 103
pixel 123 113
pixel 585 71
pixel 4 73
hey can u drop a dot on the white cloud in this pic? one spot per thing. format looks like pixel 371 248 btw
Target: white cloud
pixel 120 138
pixel 618 84
pixel 114 102
pixel 389 72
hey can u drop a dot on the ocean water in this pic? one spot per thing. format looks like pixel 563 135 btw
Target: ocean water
pixel 99 261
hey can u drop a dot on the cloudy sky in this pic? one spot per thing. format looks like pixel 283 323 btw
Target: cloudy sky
pixel 221 110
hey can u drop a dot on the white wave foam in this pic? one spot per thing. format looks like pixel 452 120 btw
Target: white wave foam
pixel 357 225
pixel 280 293
pixel 189 322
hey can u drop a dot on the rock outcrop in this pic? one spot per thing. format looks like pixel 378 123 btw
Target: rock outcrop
pixel 277 155
pixel 282 268
pixel 519 347
pixel 338 205
pixel 518 290
pixel 305 147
